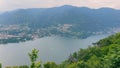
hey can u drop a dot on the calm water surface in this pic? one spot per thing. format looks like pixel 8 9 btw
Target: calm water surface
pixel 50 49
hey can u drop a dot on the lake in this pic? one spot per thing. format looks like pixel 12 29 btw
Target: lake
pixel 50 49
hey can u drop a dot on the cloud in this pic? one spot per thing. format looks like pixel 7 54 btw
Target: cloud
pixel 16 4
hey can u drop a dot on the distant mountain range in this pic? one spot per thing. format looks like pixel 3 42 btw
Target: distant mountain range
pixel 82 19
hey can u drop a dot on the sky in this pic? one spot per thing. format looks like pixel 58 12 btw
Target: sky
pixel 7 5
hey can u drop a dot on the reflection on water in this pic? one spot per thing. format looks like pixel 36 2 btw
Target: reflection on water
pixel 50 49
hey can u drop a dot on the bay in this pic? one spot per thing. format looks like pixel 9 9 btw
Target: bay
pixel 52 48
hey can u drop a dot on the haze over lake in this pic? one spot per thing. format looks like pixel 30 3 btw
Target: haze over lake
pixel 52 48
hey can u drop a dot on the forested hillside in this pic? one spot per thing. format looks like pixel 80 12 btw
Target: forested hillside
pixel 105 54
pixel 66 20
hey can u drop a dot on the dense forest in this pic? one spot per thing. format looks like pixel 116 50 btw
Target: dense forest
pixel 104 54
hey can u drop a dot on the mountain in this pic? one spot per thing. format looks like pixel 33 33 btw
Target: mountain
pixel 80 20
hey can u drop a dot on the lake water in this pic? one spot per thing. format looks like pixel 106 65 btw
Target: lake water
pixel 50 49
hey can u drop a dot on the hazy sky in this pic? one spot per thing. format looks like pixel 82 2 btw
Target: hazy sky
pixel 16 4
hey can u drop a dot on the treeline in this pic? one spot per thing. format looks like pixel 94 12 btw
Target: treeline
pixel 15 39
pixel 105 54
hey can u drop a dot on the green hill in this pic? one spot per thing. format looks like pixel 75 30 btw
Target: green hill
pixel 106 54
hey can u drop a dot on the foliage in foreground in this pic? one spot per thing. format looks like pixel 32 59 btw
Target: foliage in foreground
pixel 106 54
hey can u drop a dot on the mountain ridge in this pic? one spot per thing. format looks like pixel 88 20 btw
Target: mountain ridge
pixel 63 6
pixel 65 20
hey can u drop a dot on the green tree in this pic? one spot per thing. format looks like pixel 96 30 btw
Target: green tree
pixel 80 64
pixel 94 62
pixel 50 65
pixel 24 66
pixel 0 65
pixel 115 60
pixel 33 57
